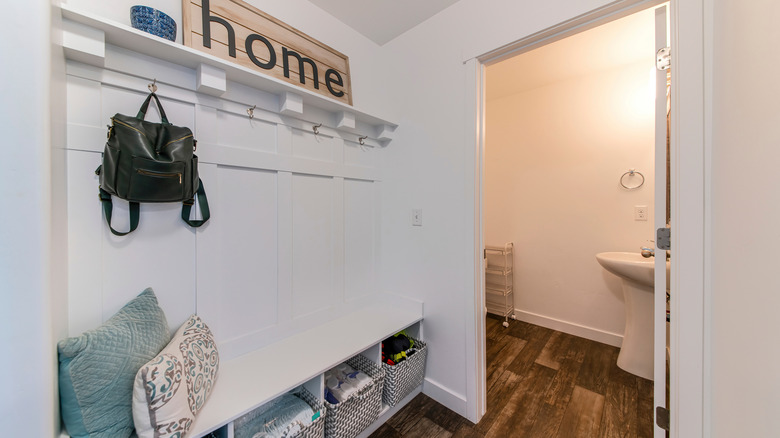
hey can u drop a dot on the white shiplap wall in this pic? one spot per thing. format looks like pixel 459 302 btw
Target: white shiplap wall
pixel 292 241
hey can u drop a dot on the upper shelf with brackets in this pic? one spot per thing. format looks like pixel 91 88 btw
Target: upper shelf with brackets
pixel 85 36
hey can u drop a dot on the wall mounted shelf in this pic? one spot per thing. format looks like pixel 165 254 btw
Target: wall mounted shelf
pixel 86 35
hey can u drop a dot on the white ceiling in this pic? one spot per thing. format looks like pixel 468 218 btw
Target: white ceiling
pixel 383 20
pixel 620 42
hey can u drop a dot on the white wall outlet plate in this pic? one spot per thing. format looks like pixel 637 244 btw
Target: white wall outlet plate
pixel 640 212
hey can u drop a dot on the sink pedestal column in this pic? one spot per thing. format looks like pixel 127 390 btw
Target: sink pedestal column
pixel 636 352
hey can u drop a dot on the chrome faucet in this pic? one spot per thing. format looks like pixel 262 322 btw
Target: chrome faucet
pixel 647 252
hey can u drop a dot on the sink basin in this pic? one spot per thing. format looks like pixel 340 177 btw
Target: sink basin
pixel 631 266
pixel 637 277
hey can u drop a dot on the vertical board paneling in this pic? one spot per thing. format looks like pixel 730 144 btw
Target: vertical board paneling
pixel 159 254
pixel 356 155
pixel 242 132
pixel 289 243
pixel 85 233
pixel 284 140
pixel 86 129
pixel 208 276
pixel 316 147
pixel 359 231
pixel 246 266
pixel 206 128
pixel 82 98
pixel 285 255
pixel 312 220
pixel 338 238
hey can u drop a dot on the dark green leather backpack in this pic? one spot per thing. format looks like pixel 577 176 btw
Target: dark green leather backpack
pixel 150 162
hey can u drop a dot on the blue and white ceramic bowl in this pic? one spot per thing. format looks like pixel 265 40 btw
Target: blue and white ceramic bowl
pixel 153 21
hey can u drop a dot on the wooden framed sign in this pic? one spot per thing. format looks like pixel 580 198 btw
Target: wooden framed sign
pixel 238 32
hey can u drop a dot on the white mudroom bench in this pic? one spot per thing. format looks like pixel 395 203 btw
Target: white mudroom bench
pixel 253 379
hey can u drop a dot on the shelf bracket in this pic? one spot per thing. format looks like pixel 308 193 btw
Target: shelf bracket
pixel 345 119
pixel 84 43
pixel 290 104
pixel 385 132
pixel 211 80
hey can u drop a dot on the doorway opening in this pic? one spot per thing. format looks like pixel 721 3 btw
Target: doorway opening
pixel 569 170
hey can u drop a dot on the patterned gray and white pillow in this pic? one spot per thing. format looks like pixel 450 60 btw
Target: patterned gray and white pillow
pixel 170 389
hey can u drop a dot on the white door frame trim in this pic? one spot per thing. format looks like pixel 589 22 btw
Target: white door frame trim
pixel 691 216
pixel 690 146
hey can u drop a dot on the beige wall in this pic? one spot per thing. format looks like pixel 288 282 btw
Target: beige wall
pixel 553 159
pixel 745 233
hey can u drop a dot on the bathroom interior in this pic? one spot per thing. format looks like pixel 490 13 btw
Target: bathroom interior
pixel 569 173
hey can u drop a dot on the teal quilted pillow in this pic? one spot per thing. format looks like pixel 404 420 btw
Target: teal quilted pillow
pixel 97 369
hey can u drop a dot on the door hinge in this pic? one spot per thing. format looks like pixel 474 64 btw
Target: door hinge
pixel 662 417
pixel 663 58
pixel 663 238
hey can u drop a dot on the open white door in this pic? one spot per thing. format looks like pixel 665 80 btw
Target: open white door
pixel 659 349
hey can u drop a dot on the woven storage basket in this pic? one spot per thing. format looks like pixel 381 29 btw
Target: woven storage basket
pixel 350 417
pixel 315 430
pixel 402 378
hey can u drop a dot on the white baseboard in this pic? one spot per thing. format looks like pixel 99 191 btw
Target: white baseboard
pixel 614 339
pixel 452 401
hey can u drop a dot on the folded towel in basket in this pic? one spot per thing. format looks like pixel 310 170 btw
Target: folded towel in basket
pixel 282 418
pixel 342 381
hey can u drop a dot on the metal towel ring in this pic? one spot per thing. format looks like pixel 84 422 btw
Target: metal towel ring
pixel 632 172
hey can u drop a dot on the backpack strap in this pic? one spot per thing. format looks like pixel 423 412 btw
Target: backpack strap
pixel 202 202
pixel 108 206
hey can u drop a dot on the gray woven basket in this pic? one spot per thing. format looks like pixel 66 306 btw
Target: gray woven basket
pixel 317 427
pixel 315 430
pixel 350 417
pixel 401 379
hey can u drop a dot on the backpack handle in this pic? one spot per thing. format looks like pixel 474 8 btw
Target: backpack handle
pixel 142 112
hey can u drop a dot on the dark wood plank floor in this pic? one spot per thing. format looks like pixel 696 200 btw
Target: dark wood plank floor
pixel 540 383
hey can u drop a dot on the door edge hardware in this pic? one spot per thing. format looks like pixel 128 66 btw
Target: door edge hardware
pixel 663 238
pixel 663 58
pixel 662 417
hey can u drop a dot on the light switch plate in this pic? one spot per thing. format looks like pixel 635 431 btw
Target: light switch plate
pixel 417 217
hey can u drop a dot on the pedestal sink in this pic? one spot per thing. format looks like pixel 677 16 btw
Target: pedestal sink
pixel 637 276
